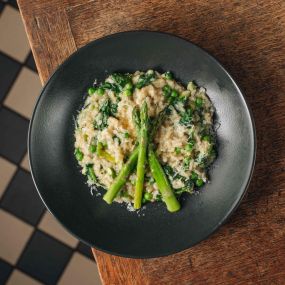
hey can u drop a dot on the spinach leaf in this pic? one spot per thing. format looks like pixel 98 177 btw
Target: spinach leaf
pixel 189 187
pixel 188 183
pixel 204 160
pixel 111 86
pixel 121 79
pixel 90 173
pixel 106 110
pixel 171 173
pixel 109 108
pixel 145 79
pixel 186 118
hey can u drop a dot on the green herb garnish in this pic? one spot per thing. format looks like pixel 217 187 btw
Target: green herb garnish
pixel 145 79
pixel 78 154
pixel 92 148
pixel 177 150
pixel 199 182
pixel 126 135
pixel 168 75
pixel 106 110
pixel 199 102
pixel 186 118
pixel 147 196
pixel 90 172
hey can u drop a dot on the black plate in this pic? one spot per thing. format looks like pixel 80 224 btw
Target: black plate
pixel 154 232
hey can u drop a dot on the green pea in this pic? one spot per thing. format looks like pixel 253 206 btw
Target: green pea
pixel 128 92
pixel 174 94
pixel 194 176
pixel 199 182
pixel 92 148
pixel 100 91
pixel 189 147
pixel 168 75
pixel 129 86
pixel 78 154
pixel 126 135
pixel 166 90
pixel 147 196
pixel 177 150
pixel 91 90
pixel 206 138
pixel 199 102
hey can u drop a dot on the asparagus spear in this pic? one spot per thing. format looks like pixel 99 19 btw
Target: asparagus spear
pixel 156 123
pixel 157 171
pixel 122 177
pixel 160 177
pixel 162 183
pixel 143 143
pixel 130 164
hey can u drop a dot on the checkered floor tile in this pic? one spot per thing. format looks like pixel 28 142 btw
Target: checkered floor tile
pixel 34 248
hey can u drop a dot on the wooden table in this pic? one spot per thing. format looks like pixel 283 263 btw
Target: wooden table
pixel 248 37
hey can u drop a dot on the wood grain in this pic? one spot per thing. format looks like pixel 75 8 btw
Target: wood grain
pixel 248 37
pixel 52 40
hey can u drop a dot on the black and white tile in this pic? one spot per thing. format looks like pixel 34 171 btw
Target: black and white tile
pixel 21 198
pixel 44 258
pixel 34 248
pixel 5 269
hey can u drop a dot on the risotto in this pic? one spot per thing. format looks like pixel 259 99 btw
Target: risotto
pixel 144 137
